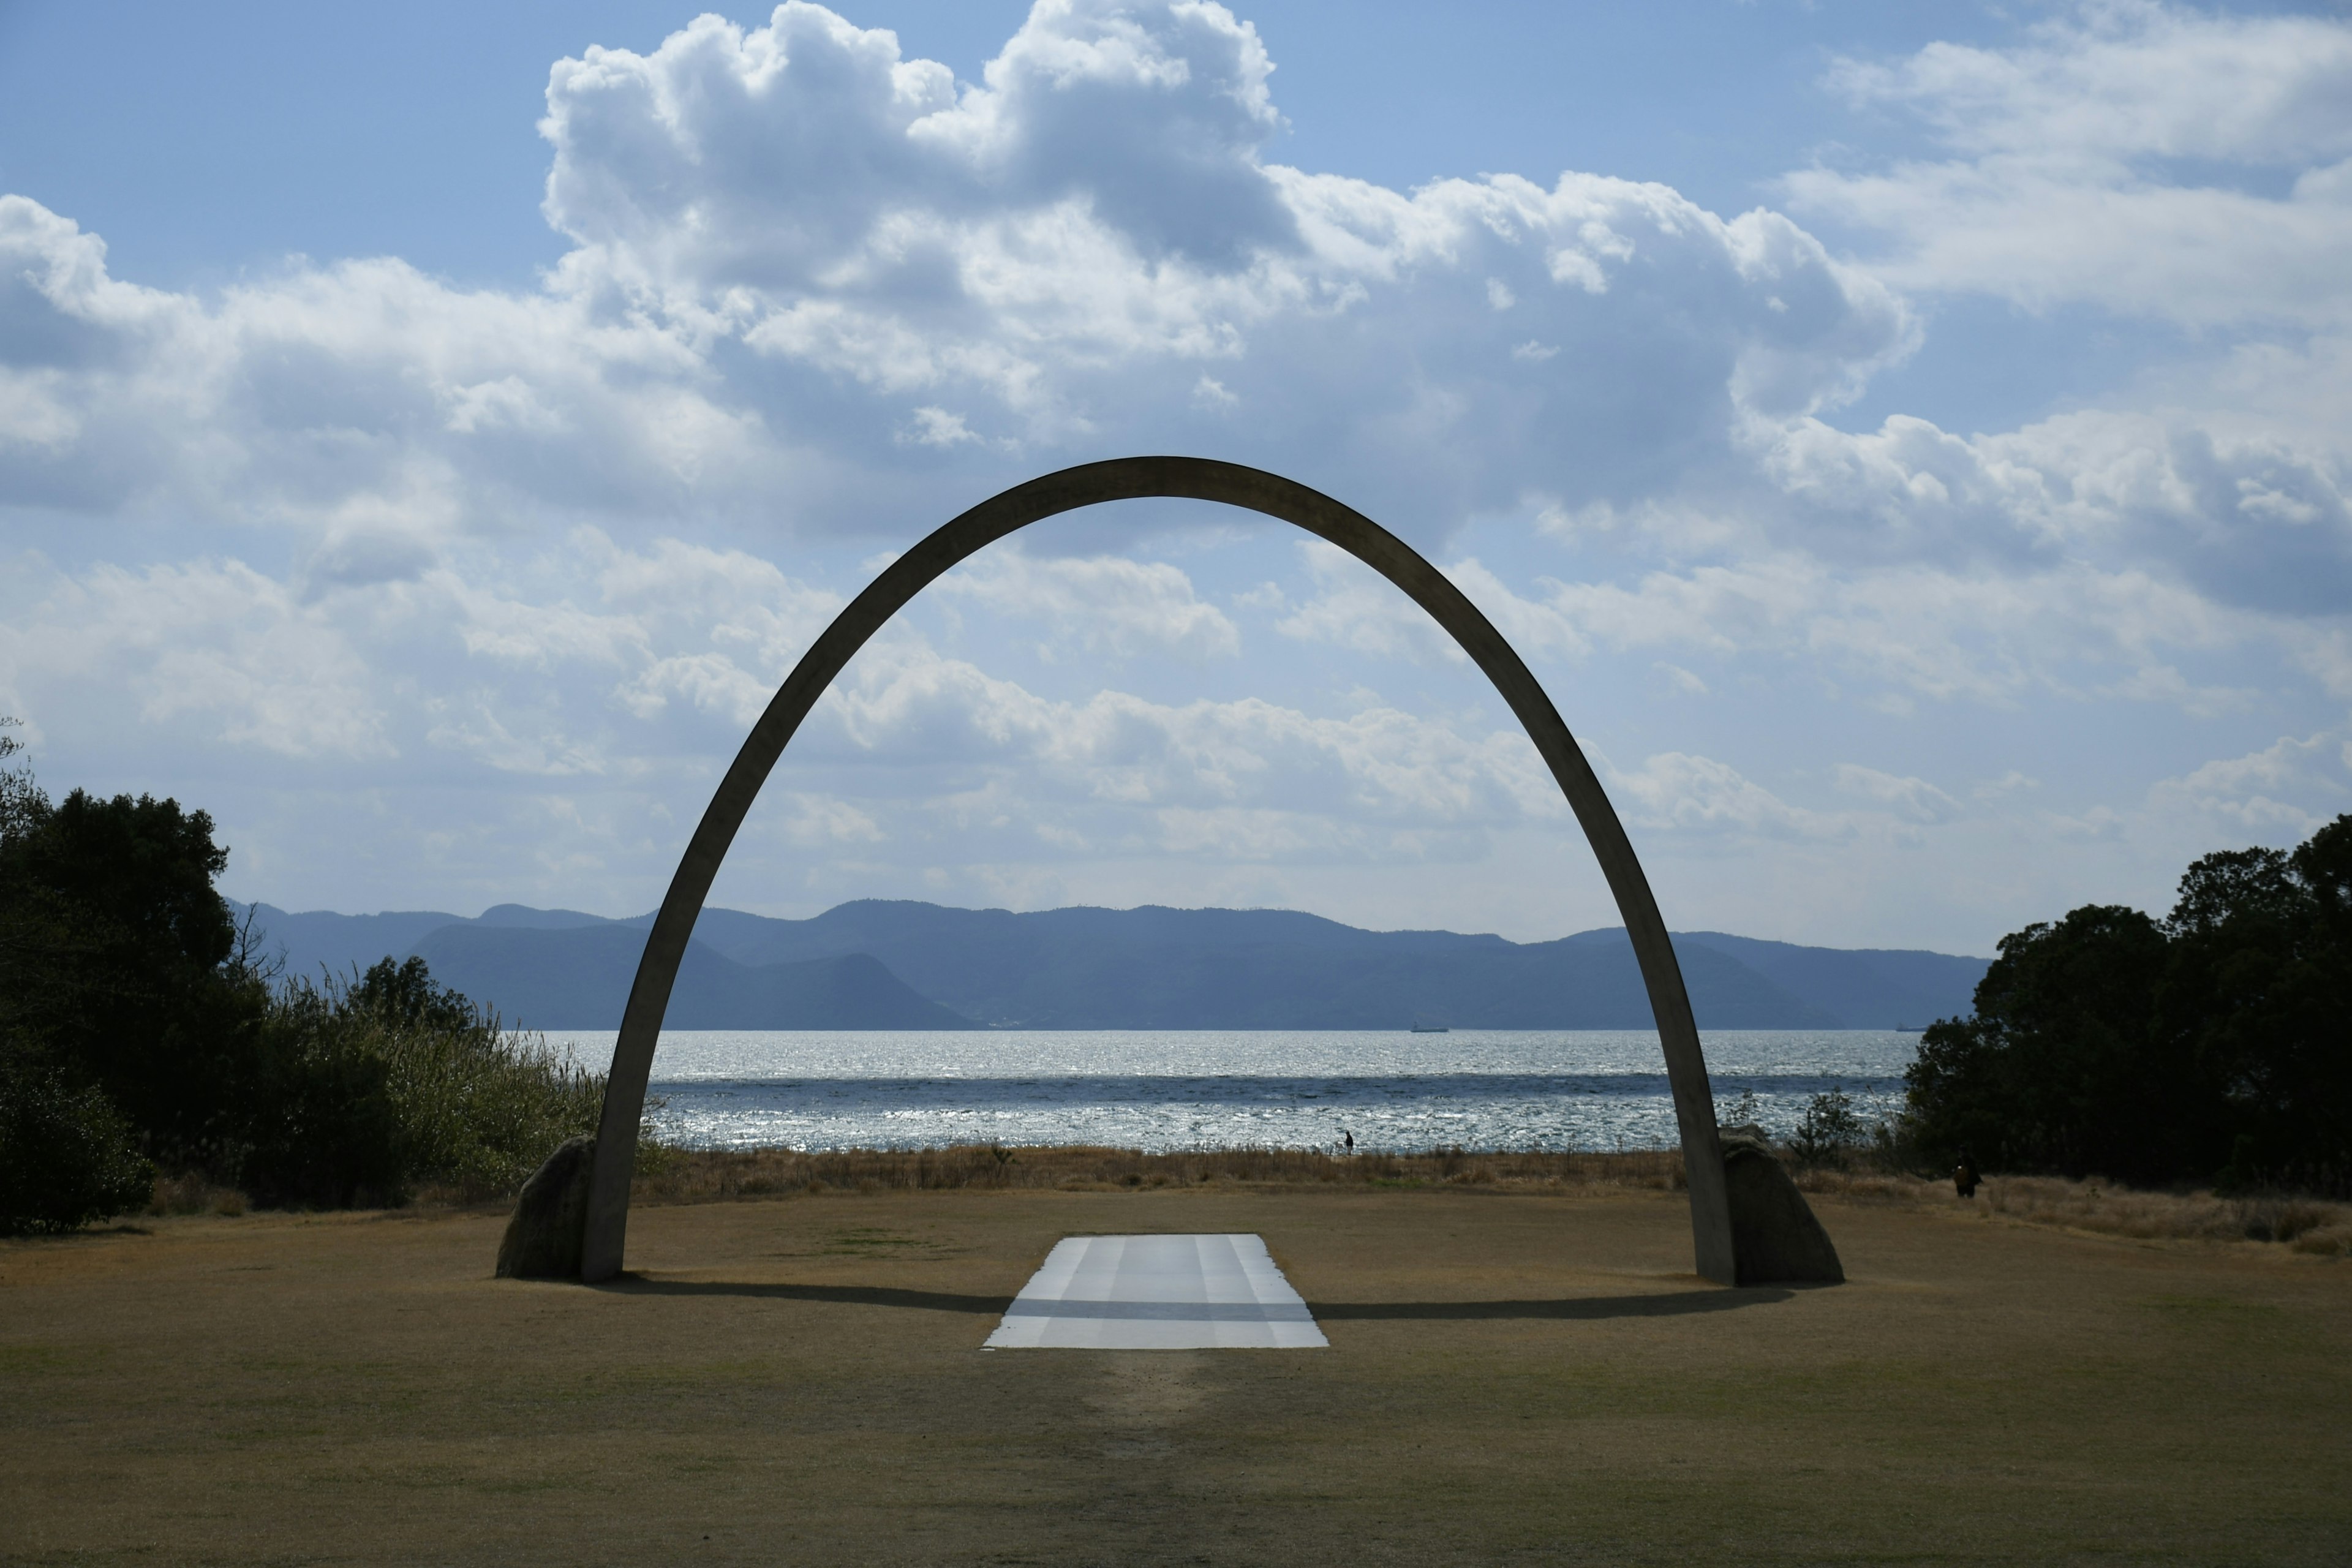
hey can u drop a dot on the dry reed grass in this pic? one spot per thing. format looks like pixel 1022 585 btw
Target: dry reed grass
pixel 190 1192
pixel 2109 1208
pixel 672 1176
pixel 668 1174
pixel 704 1175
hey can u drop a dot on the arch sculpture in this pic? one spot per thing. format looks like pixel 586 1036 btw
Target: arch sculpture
pixel 1135 479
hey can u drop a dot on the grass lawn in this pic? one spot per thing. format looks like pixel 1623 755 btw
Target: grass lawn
pixel 1512 1377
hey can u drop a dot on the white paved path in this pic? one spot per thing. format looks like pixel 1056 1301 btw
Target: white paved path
pixel 1157 1293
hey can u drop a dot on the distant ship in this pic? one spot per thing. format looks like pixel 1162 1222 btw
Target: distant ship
pixel 1430 1029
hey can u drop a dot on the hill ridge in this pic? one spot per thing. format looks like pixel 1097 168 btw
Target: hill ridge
pixel 1153 966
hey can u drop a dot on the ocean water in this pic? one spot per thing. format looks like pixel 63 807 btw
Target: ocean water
pixel 1480 1088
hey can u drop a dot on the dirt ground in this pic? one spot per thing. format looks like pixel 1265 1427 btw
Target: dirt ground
pixel 1511 1378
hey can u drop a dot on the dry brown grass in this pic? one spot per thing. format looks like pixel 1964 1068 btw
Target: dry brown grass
pixel 192 1191
pixel 673 1175
pixel 682 1175
pixel 2104 1207
pixel 1524 1376
pixel 703 1175
pixel 2110 1209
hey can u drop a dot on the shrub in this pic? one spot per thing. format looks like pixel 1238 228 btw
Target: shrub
pixel 67 1155
pixel 391 1081
pixel 1830 1131
pixel 325 1132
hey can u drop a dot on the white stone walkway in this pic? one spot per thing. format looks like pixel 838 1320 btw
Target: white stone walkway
pixel 1157 1293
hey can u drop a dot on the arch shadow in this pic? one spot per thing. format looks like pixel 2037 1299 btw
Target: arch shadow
pixel 1570 1309
pixel 1138 478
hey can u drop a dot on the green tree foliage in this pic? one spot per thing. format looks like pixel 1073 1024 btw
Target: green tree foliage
pixel 66 1153
pixel 2215 1043
pixel 1830 1131
pixel 118 964
pixel 2258 991
pixel 136 1025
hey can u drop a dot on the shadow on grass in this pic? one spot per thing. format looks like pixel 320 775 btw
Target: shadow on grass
pixel 851 1295
pixel 1666 1304
pixel 1669 1304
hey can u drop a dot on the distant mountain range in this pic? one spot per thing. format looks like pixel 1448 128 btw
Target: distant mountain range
pixel 886 964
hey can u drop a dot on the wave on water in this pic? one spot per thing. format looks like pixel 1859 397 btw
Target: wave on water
pixel 1163 1091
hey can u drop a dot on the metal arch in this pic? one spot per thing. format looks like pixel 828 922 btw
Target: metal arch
pixel 1136 479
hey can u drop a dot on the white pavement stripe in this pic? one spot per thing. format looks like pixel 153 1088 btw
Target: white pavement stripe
pixel 1158 1292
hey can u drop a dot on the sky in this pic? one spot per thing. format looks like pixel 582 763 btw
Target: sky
pixel 1911 444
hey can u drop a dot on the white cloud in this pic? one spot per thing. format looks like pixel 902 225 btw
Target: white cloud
pixel 938 428
pixel 557 545
pixel 1679 793
pixel 822 821
pixel 1916 630
pixel 1083 254
pixel 1906 796
pixel 361 393
pixel 905 705
pixel 1354 608
pixel 2105 159
pixel 520 675
pixel 2250 521
pixel 1105 604
pixel 201 650
pixel 2288 789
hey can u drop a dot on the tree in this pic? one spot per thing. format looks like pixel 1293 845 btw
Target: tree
pixel 404 995
pixel 2259 990
pixel 67 1155
pixel 2215 1044
pixel 135 1022
pixel 116 960
pixel 1830 1131
pixel 2057 1070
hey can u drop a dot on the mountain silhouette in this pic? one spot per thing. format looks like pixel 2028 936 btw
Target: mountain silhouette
pixel 898 964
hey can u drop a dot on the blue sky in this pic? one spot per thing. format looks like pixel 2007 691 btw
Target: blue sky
pixel 1911 444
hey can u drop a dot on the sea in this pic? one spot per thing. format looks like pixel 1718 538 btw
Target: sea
pixel 1182 1089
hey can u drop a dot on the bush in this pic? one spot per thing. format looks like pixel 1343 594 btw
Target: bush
pixel 324 1130
pixel 1830 1131
pixel 393 1081
pixel 67 1155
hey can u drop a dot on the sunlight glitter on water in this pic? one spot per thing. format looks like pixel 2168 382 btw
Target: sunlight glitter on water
pixel 1162 1090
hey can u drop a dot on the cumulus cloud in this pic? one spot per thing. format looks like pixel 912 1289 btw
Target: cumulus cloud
pixel 2252 522
pixel 559 543
pixel 362 395
pixel 1085 252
